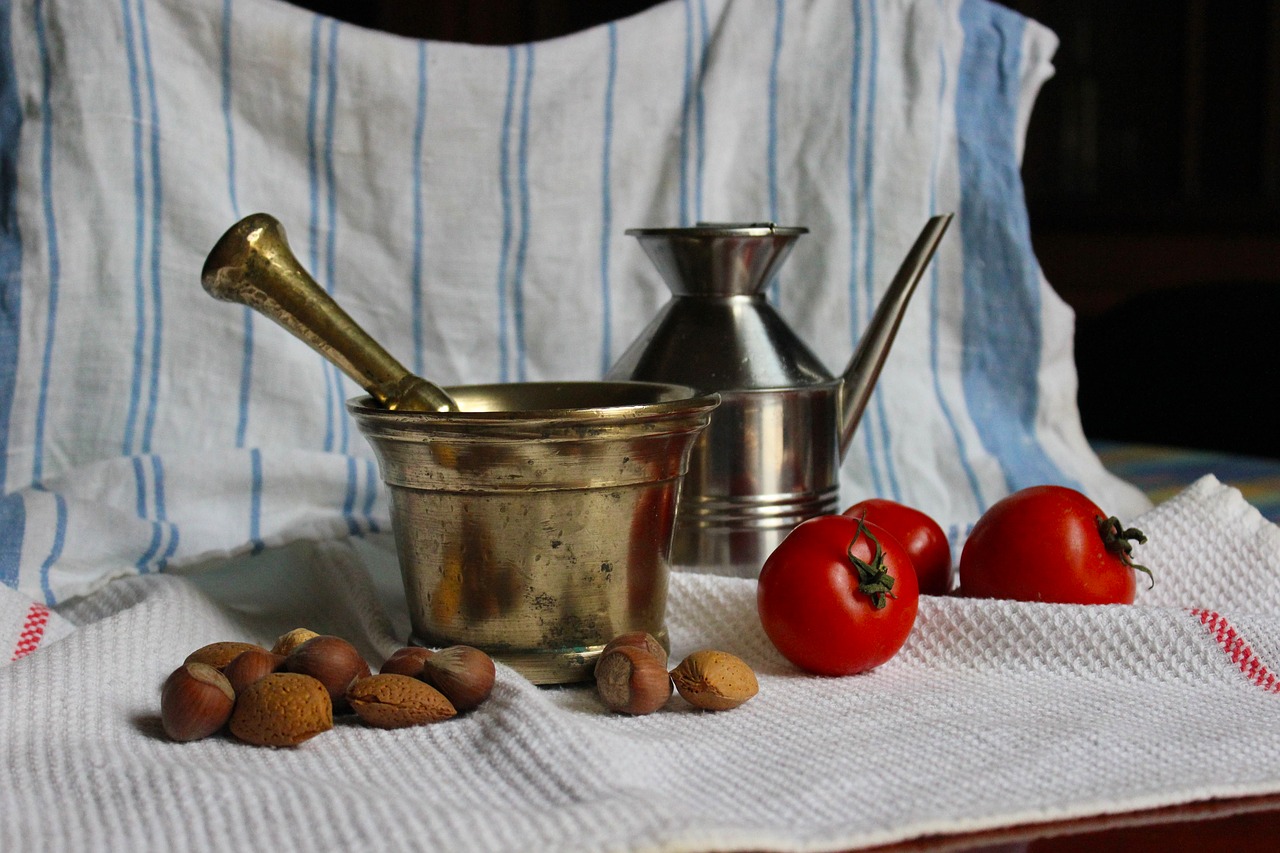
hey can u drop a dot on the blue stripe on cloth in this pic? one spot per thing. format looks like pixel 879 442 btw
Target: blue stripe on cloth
pixel 10 267
pixel 415 277
pixel 606 203
pixel 157 203
pixel 313 224
pixel 331 221
pixel 51 237
pixel 349 500
pixel 143 563
pixel 522 244
pixel 860 218
pixel 700 110
pixel 129 445
pixel 338 412
pixel 1001 327
pixel 228 122
pixel 935 311
pixel 771 145
pixel 879 416
pixel 255 501
pixel 227 20
pixel 686 113
pixel 162 513
pixel 13 525
pixel 504 181
pixel 371 485
pixel 55 549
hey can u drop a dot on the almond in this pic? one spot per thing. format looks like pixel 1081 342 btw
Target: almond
pixel 392 701
pixel 714 680
pixel 282 709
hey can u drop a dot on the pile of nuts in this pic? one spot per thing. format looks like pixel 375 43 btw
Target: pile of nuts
pixel 288 694
pixel 632 677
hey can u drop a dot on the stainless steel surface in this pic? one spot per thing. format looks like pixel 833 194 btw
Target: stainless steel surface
pixel 252 264
pixel 767 462
pixel 536 522
pixel 771 456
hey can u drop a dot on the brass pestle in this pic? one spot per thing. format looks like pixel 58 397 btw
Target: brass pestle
pixel 253 265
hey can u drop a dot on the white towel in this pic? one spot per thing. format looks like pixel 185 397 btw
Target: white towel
pixel 994 713
pixel 466 204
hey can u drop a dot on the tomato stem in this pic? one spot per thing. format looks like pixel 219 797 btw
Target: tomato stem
pixel 873 578
pixel 1119 541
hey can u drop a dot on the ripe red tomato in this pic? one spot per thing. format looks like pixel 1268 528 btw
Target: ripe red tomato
pixel 837 596
pixel 1050 543
pixel 919 534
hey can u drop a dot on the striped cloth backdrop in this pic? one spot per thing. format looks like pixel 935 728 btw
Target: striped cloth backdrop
pixel 467 204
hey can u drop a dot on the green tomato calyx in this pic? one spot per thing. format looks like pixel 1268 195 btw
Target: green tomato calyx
pixel 1119 541
pixel 874 579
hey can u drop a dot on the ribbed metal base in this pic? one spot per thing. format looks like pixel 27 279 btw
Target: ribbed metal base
pixel 734 536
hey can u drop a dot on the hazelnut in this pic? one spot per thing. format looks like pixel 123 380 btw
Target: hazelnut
pixel 282 709
pixel 714 680
pixel 249 666
pixel 392 701
pixel 632 681
pixel 195 702
pixel 640 640
pixel 218 655
pixel 406 661
pixel 286 643
pixel 463 674
pixel 332 661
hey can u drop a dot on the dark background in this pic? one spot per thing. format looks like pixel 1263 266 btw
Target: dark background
pixel 1152 172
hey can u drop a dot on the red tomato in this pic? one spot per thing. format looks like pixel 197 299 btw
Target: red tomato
pixel 837 596
pixel 1050 543
pixel 919 534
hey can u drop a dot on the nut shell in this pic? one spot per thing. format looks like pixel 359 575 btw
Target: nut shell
pixel 282 709
pixel 218 655
pixel 393 701
pixel 195 701
pixel 463 674
pixel 632 681
pixel 249 666
pixel 332 661
pixel 406 661
pixel 287 642
pixel 715 680
pixel 640 640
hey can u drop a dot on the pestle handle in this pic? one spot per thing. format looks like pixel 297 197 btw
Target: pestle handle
pixel 253 265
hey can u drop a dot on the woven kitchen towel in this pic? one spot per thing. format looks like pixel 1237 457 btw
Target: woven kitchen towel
pixel 467 205
pixel 994 713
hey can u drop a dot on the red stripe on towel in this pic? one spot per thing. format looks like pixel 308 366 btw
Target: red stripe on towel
pixel 1238 650
pixel 32 631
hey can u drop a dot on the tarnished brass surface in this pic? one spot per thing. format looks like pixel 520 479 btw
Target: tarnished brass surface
pixel 253 265
pixel 536 522
pixel 532 520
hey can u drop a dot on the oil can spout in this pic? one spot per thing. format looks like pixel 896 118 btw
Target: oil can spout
pixel 859 377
